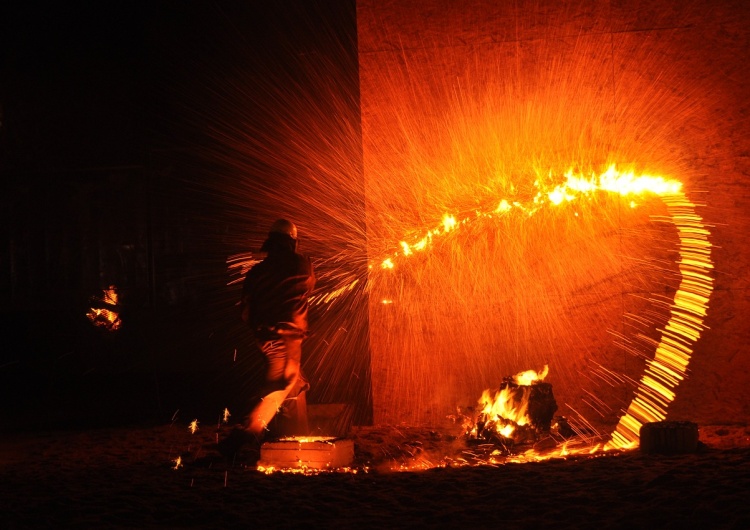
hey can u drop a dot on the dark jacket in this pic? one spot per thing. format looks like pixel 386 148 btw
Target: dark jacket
pixel 275 293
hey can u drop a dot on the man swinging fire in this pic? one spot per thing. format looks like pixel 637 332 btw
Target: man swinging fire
pixel 275 304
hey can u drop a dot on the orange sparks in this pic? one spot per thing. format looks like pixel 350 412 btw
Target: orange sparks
pixel 669 365
pixel 656 389
pixel 574 187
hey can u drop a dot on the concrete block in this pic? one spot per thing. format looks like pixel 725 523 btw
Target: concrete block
pixel 307 452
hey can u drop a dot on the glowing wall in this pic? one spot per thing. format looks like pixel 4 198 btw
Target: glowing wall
pixel 467 104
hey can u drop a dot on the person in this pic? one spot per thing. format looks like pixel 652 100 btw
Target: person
pixel 275 305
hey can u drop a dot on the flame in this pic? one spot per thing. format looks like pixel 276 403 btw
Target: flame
pixel 530 376
pixel 503 410
pixel 177 462
pixel 193 426
pixel 108 319
pixel 226 415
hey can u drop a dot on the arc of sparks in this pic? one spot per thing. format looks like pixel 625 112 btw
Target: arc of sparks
pixel 669 366
pixel 663 373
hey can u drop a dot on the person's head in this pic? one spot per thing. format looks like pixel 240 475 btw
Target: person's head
pixel 282 235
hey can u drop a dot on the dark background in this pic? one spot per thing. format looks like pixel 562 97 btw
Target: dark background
pixel 104 183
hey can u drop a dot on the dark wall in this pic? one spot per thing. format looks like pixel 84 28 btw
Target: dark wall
pixel 105 119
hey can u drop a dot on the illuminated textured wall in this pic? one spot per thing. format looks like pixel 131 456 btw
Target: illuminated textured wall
pixel 466 104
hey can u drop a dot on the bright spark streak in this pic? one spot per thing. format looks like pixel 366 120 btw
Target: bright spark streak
pixel 575 186
pixel 669 365
pixel 663 373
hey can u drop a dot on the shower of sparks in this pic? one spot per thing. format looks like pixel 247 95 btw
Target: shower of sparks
pixel 672 353
pixel 494 457
pixel 522 201
pixel 669 365
pixel 451 242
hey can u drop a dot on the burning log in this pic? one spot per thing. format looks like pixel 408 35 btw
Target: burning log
pixel 541 402
pixel 521 411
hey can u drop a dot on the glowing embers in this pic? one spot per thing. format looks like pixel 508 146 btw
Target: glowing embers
pixel 303 454
pixel 105 313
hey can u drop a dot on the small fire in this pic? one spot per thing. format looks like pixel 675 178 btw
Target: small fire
pixel 193 426
pixel 508 409
pixel 225 417
pixel 106 317
pixel 177 462
pixel 530 376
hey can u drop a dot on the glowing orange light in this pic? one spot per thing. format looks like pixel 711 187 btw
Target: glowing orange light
pixel 108 319
pixel 674 348
pixel 530 376
pixel 504 409
pixel 573 187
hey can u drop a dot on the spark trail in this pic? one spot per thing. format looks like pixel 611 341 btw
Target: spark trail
pixel 668 367
pixel 451 204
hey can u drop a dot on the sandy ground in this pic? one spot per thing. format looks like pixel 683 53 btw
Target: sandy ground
pixel 126 478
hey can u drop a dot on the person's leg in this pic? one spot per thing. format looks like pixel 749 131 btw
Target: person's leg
pixel 283 374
